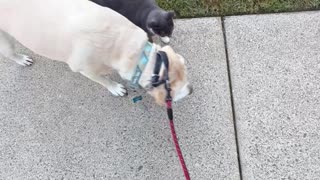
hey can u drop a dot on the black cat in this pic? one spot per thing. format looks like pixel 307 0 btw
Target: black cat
pixel 144 13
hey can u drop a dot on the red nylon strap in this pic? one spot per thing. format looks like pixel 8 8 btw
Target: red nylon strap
pixel 176 143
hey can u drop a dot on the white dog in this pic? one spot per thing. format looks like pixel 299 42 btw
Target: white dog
pixel 91 39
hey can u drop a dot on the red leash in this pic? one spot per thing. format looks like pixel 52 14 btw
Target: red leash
pixel 155 82
pixel 175 140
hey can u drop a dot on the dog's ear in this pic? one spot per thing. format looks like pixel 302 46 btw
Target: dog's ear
pixel 171 14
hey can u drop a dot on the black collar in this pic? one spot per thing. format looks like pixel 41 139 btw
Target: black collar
pixel 156 81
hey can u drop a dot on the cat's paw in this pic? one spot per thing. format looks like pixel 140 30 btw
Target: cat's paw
pixel 165 39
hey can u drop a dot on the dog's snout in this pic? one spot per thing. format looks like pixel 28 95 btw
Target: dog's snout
pixel 190 87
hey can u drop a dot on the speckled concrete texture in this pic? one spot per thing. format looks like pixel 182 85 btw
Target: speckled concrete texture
pixel 56 124
pixel 205 120
pixel 275 68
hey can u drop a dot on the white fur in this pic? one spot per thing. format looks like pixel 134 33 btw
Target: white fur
pixel 165 39
pixel 90 38
pixel 184 91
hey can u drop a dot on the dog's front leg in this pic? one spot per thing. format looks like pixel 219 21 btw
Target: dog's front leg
pixel 115 88
pixel 79 61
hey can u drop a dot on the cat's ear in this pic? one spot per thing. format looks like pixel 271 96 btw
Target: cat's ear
pixel 171 15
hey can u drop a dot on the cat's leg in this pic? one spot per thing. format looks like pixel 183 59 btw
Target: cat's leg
pixel 7 49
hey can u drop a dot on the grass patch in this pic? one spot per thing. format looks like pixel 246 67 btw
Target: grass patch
pixel 202 8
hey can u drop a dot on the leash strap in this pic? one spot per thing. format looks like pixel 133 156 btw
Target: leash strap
pixel 161 58
pixel 156 70
pixel 155 82
pixel 175 140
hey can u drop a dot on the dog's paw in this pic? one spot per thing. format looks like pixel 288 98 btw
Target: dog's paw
pixel 118 90
pixel 24 60
pixel 165 39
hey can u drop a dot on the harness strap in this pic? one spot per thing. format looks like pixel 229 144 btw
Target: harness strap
pixel 161 58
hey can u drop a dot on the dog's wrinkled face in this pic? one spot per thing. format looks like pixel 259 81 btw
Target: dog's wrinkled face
pixel 178 80
pixel 161 23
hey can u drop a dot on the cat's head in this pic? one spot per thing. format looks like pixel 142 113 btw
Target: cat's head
pixel 160 22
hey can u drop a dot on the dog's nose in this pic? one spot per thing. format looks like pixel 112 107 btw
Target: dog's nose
pixel 190 87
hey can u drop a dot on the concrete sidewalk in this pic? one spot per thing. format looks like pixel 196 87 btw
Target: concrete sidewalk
pixel 55 124
pixel 275 72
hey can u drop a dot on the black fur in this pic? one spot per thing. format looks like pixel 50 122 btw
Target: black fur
pixel 143 13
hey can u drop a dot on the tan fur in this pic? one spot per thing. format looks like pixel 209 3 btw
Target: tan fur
pixel 177 74
pixel 159 95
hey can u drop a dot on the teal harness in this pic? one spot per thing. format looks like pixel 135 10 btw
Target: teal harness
pixel 144 59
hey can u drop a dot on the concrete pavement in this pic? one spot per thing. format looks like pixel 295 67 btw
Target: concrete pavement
pixel 275 70
pixel 56 124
